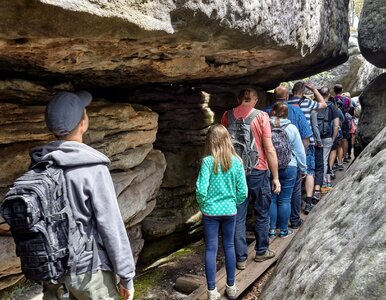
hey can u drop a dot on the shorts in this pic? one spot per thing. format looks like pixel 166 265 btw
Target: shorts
pixel 346 134
pixel 310 160
pixel 334 145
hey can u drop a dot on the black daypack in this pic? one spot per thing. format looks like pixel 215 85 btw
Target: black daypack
pixel 38 212
pixel 325 122
pixel 281 142
pixel 243 140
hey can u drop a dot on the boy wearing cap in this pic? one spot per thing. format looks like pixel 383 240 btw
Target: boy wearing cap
pixel 93 201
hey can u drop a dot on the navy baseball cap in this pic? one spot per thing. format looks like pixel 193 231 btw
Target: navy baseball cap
pixel 65 110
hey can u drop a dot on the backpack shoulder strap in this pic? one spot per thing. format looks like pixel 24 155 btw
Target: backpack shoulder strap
pixel 231 117
pixel 252 115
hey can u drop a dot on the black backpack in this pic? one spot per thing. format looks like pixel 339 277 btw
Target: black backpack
pixel 243 140
pixel 325 122
pixel 38 212
pixel 281 142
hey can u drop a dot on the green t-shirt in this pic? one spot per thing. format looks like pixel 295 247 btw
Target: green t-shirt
pixel 218 194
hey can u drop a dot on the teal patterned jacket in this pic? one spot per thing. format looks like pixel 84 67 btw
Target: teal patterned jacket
pixel 219 194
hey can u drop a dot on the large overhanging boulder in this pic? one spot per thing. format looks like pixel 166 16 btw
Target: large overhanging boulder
pixel 340 251
pixel 373 112
pixel 372 32
pixel 219 43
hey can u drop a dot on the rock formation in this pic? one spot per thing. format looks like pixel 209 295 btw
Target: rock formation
pixel 372 42
pixel 340 251
pixel 373 112
pixel 216 44
pixel 372 32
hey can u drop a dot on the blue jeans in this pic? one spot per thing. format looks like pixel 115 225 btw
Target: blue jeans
pixel 280 209
pixel 211 229
pixel 296 202
pixel 259 189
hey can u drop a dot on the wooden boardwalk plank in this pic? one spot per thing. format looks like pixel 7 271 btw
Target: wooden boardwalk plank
pixel 245 278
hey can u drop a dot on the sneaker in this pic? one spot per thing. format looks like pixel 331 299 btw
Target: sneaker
pixel 267 255
pixel 333 176
pixel 241 265
pixel 231 291
pixel 316 197
pixel 272 233
pixel 347 160
pixel 308 208
pixel 284 234
pixel 213 294
pixel 340 167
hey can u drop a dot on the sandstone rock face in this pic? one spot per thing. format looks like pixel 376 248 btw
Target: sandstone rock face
pixel 123 132
pixel 373 112
pixel 340 251
pixel 215 43
pixel 372 32
pixel 354 75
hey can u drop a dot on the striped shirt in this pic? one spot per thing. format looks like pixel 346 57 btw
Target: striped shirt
pixel 306 106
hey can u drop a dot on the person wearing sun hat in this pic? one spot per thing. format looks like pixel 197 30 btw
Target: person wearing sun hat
pixel 94 203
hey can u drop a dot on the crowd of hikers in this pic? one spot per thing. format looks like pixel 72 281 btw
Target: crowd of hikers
pixel 264 158
pixel 64 216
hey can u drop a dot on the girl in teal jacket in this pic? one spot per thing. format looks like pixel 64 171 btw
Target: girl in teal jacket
pixel 220 187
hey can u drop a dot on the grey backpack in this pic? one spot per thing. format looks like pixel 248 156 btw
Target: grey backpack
pixel 243 140
pixel 282 145
pixel 38 212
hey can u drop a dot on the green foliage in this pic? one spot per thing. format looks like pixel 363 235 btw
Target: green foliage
pixel 145 283
pixel 20 289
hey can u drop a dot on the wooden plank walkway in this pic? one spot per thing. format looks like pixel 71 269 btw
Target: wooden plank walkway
pixel 245 278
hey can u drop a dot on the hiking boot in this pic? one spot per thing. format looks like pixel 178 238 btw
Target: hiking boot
pixel 308 208
pixel 213 294
pixel 231 291
pixel 241 265
pixel 316 197
pixel 272 233
pixel 284 234
pixel 267 255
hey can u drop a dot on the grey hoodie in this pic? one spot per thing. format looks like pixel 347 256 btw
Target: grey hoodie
pixel 92 197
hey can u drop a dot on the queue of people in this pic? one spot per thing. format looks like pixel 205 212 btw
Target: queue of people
pixel 319 133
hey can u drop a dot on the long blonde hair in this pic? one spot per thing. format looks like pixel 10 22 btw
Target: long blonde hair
pixel 218 144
